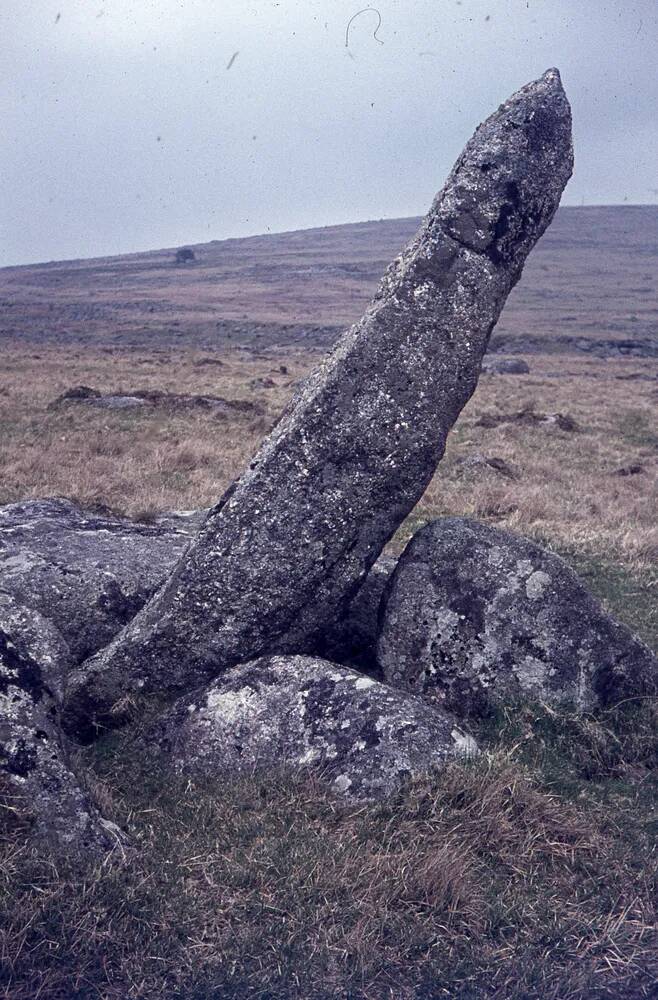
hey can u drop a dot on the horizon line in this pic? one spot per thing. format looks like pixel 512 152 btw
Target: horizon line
pixel 284 232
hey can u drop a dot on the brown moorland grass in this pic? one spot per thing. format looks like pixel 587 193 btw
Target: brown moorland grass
pixel 591 487
pixel 528 873
pixel 584 484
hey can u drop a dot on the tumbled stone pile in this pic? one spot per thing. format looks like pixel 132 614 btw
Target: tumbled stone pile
pixel 270 624
pixel 278 559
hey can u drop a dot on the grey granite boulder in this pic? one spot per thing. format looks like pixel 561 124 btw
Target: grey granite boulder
pixel 365 738
pixel 33 765
pixel 475 616
pixel 87 573
pixel 281 554
pixel 504 366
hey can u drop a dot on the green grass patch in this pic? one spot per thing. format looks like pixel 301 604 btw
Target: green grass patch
pixel 636 428
pixel 629 594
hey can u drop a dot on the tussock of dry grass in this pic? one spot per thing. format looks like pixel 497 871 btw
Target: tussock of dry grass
pixel 480 882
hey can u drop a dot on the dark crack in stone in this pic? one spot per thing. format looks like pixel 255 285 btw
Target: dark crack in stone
pixel 352 640
pixel 33 664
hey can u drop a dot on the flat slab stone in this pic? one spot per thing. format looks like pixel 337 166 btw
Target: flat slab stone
pixel 365 738
pixel 476 617
pixel 504 366
pixel 86 396
pixel 284 550
pixel 87 573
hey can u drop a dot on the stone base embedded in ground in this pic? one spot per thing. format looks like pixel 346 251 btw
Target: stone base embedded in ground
pixel 476 616
pixel 33 664
pixel 366 738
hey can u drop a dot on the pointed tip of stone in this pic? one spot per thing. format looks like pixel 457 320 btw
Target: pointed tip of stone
pixel 552 75
pixel 546 88
pixel 524 147
pixel 548 81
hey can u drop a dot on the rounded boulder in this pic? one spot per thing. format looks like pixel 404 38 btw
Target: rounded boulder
pixel 364 737
pixel 475 616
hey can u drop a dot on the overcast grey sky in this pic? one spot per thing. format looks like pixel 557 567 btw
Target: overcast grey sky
pixel 132 124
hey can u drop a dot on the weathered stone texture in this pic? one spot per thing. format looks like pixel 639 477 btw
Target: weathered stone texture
pixel 288 545
pixel 33 663
pixel 364 737
pixel 87 573
pixel 475 616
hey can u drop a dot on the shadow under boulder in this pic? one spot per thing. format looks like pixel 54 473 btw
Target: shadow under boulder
pixel 353 639
pixel 366 738
pixel 476 616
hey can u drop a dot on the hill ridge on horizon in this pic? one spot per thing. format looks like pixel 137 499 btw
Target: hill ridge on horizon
pixel 310 230
pixel 591 277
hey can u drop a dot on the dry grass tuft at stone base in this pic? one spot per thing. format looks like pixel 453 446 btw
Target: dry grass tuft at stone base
pixel 526 874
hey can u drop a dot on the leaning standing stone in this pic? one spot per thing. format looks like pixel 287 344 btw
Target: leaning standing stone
pixel 290 542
